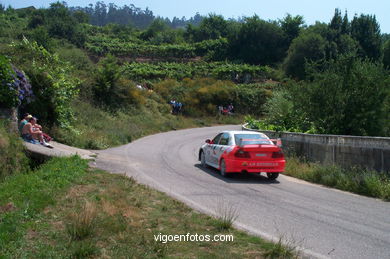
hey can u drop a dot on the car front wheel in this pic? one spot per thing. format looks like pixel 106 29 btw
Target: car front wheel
pixel 272 176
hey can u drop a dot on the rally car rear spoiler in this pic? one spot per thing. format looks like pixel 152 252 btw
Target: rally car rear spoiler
pixel 277 142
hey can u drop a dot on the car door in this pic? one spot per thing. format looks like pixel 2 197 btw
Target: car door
pixel 210 150
pixel 223 144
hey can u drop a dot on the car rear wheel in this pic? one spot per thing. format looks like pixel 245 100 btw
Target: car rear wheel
pixel 272 176
pixel 223 168
pixel 203 159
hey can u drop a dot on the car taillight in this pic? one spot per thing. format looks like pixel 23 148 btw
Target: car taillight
pixel 242 154
pixel 278 154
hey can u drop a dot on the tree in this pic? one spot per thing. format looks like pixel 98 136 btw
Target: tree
pixel 366 31
pixel 292 25
pixel 37 18
pixel 210 28
pixel 337 21
pixel 386 54
pixel 106 79
pixel 157 26
pixel 347 98
pixel 308 47
pixel 60 22
pixel 259 42
pixel 81 17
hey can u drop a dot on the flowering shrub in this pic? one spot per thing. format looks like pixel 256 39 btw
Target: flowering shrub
pixel 53 84
pixel 14 86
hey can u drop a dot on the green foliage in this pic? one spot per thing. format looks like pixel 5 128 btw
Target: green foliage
pixel 349 97
pixel 212 49
pixel 356 180
pixel 8 93
pixel 250 99
pixel 386 54
pixel 218 70
pixel 259 42
pixel 12 157
pixel 158 26
pixel 52 81
pixel 366 30
pixel 42 37
pixel 279 110
pixel 111 89
pixel 100 45
pixel 201 97
pixel 211 28
pixel 59 21
pixel 292 26
pixel 308 47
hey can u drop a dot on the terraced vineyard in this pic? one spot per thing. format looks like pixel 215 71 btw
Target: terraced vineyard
pixel 218 70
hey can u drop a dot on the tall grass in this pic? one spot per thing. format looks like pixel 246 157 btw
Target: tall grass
pixel 283 249
pixel 99 129
pixel 356 180
pixel 81 222
pixel 227 213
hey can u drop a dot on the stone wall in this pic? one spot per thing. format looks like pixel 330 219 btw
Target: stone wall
pixel 369 152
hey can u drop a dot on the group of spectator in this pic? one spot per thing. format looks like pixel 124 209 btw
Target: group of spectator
pixel 176 106
pixel 32 132
pixel 226 110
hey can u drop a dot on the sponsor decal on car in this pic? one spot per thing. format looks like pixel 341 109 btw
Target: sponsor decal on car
pixel 262 164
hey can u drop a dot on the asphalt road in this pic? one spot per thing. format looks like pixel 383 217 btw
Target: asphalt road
pixel 327 223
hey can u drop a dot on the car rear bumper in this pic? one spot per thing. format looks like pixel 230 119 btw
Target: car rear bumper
pixel 237 166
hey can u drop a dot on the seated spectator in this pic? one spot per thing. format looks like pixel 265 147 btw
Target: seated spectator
pixel 30 133
pixel 46 137
pixel 24 121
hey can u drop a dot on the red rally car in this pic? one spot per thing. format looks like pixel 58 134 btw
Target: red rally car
pixel 243 152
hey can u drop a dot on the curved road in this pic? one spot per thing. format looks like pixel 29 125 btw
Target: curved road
pixel 327 223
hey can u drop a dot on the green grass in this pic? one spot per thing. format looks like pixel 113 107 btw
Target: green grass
pixel 98 129
pixel 24 196
pixel 356 180
pixel 64 210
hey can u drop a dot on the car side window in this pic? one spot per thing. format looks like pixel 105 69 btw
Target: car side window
pixel 217 138
pixel 224 139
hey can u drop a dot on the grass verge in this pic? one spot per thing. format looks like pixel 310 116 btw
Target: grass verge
pixel 356 180
pixel 64 210
pixel 24 196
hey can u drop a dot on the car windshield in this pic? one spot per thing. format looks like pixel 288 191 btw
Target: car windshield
pixel 251 139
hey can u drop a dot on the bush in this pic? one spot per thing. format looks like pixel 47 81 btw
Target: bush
pixel 350 97
pixel 8 92
pixel 12 157
pixel 112 90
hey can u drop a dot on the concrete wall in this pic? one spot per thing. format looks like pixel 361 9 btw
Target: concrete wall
pixel 370 152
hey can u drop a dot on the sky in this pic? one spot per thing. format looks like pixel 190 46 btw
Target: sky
pixel 311 10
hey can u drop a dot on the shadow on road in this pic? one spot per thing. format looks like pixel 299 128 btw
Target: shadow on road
pixel 237 177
